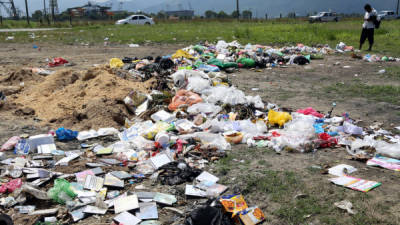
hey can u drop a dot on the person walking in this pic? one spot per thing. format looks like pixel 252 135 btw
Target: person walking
pixel 368 26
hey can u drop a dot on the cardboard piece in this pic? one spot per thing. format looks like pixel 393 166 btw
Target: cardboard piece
pixel 64 161
pixel 164 198
pixel 191 190
pixel 355 183
pixel 126 203
pixel 81 176
pixel 46 148
pixel 110 161
pixel 385 162
pixel 147 210
pixel 206 176
pixel 93 183
pixel 127 219
pixel 112 181
pixel 78 214
pixel 121 175
pixel 252 216
pixel 94 210
pixel 160 160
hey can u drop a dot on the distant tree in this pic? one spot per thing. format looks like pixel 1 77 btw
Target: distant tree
pixel 291 15
pixel 247 14
pixel 222 15
pixel 235 14
pixel 210 14
pixel 37 15
pixel 161 15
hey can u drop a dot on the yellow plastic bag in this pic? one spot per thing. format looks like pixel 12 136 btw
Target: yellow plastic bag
pixel 116 63
pixel 279 118
pixel 151 133
pixel 180 53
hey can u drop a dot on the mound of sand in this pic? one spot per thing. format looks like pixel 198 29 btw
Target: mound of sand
pixel 81 100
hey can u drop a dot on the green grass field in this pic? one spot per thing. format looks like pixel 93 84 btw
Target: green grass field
pixel 274 32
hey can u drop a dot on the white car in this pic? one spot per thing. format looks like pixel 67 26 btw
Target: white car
pixel 324 17
pixel 136 19
pixel 388 15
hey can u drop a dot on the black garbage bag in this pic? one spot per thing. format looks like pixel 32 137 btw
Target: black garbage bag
pixel 301 60
pixel 261 62
pixel 6 220
pixel 166 63
pixel 208 215
pixel 178 172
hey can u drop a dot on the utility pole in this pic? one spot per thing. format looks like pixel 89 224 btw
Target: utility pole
pixel 44 8
pixel 27 12
pixel 237 9
pixel 398 3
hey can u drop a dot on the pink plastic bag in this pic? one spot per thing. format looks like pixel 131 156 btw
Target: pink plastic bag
pixel 11 185
pixel 10 144
pixel 310 111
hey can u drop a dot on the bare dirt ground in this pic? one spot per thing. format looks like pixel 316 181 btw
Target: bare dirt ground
pixel 289 187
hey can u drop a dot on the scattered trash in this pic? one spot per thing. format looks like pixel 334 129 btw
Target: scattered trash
pixel 187 115
pixel 345 205
pixel 355 183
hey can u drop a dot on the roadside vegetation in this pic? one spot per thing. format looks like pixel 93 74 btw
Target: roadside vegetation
pixel 271 32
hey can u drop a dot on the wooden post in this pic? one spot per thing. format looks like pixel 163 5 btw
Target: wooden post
pixel 237 9
pixel 27 12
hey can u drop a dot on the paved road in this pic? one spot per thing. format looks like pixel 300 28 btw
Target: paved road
pixel 27 29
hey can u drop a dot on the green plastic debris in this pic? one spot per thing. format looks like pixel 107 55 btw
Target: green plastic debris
pixel 199 48
pixel 247 62
pixel 61 192
pixel 185 68
pixel 317 56
pixel 385 58
pixel 308 57
pixel 209 55
pixel 215 62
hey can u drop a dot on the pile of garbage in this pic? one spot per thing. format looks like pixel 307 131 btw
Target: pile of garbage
pixel 190 116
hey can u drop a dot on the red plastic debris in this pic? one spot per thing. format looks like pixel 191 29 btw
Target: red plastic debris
pixel 11 185
pixel 310 111
pixel 58 62
pixel 326 140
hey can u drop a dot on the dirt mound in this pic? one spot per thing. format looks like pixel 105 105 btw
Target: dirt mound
pixel 15 77
pixel 81 100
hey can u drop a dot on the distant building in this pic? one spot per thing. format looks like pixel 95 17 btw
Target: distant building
pixel 181 13
pixel 89 9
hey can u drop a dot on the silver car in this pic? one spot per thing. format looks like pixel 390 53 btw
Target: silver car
pixel 136 19
pixel 388 15
pixel 324 17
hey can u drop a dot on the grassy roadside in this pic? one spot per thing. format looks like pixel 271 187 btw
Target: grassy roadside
pixel 263 32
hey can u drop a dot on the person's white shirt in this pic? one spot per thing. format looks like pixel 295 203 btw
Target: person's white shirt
pixel 369 24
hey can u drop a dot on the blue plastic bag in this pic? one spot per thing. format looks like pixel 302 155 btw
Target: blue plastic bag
pixel 66 134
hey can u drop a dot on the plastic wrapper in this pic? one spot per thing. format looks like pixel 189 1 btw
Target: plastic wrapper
pixel 207 109
pixel 209 140
pixel 197 84
pixel 256 101
pixel 10 143
pixel 391 150
pixel 278 118
pixel 184 97
pixel 233 203
pixel 116 63
pixel 352 129
pixel 66 134
pixel 61 191
pixel 226 95
pixel 310 111
pixel 11 186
